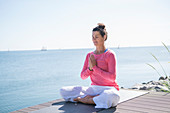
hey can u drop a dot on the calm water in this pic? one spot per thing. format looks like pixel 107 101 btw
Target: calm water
pixel 29 78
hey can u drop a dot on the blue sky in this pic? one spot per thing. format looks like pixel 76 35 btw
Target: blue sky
pixel 31 24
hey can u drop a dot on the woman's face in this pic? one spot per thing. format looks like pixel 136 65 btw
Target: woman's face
pixel 98 40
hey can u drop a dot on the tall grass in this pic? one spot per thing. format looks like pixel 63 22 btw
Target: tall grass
pixel 165 74
pixel 166 47
pixel 154 68
pixel 167 82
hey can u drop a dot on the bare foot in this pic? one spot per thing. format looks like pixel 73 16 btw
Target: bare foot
pixel 86 100
pixel 76 99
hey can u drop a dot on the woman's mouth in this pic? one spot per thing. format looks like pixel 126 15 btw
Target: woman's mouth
pixel 95 42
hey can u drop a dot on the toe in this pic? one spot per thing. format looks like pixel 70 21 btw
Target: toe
pixel 75 99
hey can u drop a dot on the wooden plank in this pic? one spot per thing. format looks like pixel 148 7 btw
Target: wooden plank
pixel 156 98
pixel 17 112
pixel 27 110
pixel 56 101
pixel 159 93
pixel 146 110
pixel 119 111
pixel 146 106
pixel 148 103
pixel 46 104
pixel 152 100
pixel 37 107
pixel 163 96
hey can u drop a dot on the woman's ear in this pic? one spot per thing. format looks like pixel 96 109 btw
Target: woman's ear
pixel 104 37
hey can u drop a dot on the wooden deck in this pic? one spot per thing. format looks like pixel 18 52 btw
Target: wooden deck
pixel 152 102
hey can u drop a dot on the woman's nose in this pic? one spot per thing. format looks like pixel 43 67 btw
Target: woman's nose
pixel 94 38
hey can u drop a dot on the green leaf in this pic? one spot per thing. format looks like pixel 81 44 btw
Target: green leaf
pixel 166 47
pixel 159 64
pixel 154 68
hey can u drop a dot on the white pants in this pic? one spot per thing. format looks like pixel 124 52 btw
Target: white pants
pixel 108 96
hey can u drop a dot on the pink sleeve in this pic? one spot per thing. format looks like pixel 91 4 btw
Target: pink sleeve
pixel 85 73
pixel 111 73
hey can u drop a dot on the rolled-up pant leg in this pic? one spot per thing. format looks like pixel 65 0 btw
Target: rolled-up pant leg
pixel 108 98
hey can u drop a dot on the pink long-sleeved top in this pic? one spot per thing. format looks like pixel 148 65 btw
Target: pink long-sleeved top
pixel 104 73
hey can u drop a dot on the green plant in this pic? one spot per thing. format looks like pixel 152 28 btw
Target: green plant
pixel 166 47
pixel 153 68
pixel 159 62
pixel 165 83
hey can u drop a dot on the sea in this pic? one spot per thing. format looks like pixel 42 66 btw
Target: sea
pixel 32 77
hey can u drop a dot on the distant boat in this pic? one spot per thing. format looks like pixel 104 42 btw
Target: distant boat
pixel 118 47
pixel 44 49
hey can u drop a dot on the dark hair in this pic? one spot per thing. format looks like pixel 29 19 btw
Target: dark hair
pixel 101 29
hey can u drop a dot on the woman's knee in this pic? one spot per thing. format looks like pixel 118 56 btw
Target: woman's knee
pixel 112 96
pixel 109 92
pixel 116 99
pixel 70 90
pixel 88 91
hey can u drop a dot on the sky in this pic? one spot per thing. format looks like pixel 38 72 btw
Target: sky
pixel 68 24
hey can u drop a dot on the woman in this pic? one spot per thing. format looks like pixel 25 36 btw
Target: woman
pixel 100 66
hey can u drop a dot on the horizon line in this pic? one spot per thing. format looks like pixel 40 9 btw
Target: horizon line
pixel 77 48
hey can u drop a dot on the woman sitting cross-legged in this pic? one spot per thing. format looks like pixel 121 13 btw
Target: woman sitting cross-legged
pixel 100 66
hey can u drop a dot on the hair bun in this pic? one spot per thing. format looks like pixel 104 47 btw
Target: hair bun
pixel 101 25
